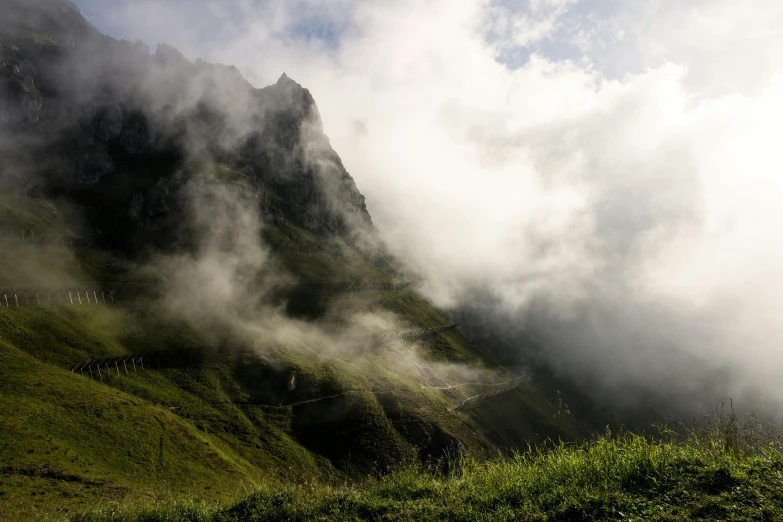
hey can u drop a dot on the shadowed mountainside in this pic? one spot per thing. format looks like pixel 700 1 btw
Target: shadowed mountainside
pixel 239 236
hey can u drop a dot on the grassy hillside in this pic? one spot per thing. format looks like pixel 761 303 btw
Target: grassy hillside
pixel 229 422
pixel 250 358
pixel 623 478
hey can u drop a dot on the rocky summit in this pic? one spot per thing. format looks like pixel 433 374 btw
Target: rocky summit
pixel 105 116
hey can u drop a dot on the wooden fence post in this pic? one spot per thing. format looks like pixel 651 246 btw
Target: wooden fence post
pixel 79 295
pixel 17 300
pixel 71 296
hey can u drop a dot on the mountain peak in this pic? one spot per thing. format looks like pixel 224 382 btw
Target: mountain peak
pixel 286 81
pixel 290 96
pixel 169 54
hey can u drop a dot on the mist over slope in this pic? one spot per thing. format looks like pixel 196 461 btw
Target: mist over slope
pixel 584 219
pixel 194 299
pixel 110 113
pixel 607 174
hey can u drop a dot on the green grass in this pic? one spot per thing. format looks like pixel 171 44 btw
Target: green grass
pixel 68 441
pixel 623 478
pixel 228 440
pixel 18 33
pixel 58 424
pixel 204 432
pixel 226 427
pixel 121 438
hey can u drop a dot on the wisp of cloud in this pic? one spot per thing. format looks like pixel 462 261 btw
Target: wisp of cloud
pixel 623 200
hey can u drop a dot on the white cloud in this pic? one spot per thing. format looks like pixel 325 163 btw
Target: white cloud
pixel 539 22
pixel 662 185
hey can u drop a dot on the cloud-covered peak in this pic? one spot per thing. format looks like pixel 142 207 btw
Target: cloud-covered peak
pixel 168 54
pixel 623 173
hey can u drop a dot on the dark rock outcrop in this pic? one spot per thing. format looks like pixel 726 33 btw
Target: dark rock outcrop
pixel 21 101
pixel 302 166
pixel 91 167
pixel 108 124
pixel 158 199
pixel 145 207
pixel 112 106
pixel 138 136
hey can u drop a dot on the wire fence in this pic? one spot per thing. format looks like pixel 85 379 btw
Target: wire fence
pixel 109 368
pixel 33 236
pixel 357 287
pixel 15 297
pixel 71 295
pixel 410 335
pixel 472 401
pixel 19 297
pixel 99 369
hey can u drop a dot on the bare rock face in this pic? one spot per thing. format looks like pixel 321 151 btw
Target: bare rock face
pixel 139 136
pixel 155 202
pixel 116 107
pixel 297 161
pixel 21 102
pixel 93 165
pixel 24 68
pixel 159 198
pixel 108 124
pixel 136 206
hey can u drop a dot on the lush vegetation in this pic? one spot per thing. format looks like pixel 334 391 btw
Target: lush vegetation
pixel 227 440
pixel 276 400
pixel 228 425
pixel 614 478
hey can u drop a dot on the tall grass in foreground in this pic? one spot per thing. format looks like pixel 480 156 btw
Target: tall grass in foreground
pixel 720 472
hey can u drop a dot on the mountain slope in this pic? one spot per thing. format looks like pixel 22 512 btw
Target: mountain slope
pixel 224 240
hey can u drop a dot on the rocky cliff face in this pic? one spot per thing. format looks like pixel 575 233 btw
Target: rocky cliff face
pixel 105 116
pixel 20 101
